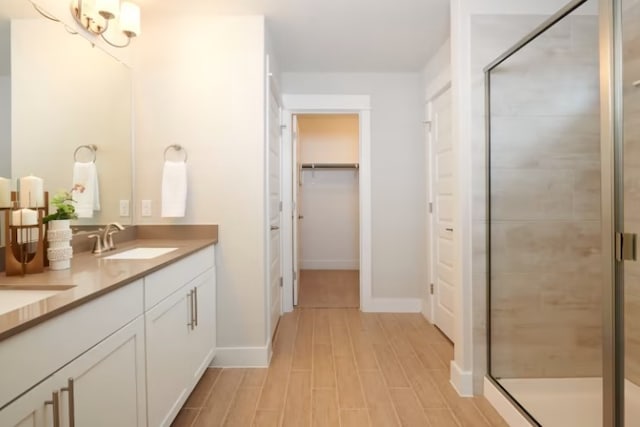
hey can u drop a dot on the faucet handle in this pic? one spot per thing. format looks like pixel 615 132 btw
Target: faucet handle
pixel 109 242
pixel 97 245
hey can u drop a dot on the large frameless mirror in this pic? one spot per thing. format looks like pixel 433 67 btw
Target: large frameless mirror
pixel 60 95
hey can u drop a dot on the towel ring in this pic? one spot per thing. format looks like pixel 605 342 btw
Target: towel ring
pixel 176 147
pixel 91 147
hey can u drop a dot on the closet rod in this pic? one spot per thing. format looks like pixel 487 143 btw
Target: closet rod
pixel 330 166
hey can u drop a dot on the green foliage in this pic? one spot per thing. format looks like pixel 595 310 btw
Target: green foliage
pixel 63 202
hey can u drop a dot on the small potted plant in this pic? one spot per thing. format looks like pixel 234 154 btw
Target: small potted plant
pixel 59 232
pixel 63 202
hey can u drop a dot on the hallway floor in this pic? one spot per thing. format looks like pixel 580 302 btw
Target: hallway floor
pixel 329 289
pixel 341 367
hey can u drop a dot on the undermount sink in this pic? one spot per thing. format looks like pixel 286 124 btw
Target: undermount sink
pixel 141 253
pixel 15 296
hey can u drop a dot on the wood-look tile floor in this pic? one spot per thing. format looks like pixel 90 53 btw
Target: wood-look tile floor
pixel 329 289
pixel 341 367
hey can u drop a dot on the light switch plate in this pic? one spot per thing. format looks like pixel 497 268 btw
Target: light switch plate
pixel 145 208
pixel 124 208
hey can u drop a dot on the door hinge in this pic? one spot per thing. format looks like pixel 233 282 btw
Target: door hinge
pixel 431 288
pixel 626 247
pixel 430 207
pixel 280 206
pixel 281 282
pixel 295 275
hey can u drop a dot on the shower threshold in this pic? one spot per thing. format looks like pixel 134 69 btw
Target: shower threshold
pixel 562 402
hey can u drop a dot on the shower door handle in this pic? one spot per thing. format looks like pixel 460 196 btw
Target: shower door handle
pixel 449 229
pixel 626 247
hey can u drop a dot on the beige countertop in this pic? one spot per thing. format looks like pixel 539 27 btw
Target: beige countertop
pixel 91 276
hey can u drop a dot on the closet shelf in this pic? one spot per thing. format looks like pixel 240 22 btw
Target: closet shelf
pixel 330 166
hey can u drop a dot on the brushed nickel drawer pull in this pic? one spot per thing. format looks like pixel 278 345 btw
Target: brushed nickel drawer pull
pixel 195 304
pixel 55 402
pixel 72 412
pixel 190 296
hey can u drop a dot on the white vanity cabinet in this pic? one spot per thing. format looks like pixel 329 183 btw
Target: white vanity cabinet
pixel 101 384
pixel 180 331
pixel 128 358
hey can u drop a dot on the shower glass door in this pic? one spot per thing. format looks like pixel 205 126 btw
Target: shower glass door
pixel 545 259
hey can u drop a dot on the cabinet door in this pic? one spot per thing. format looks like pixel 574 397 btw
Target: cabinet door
pixel 105 386
pixel 30 410
pixel 167 329
pixel 202 338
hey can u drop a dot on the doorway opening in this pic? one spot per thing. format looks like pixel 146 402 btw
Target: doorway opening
pixel 327 217
pixel 298 104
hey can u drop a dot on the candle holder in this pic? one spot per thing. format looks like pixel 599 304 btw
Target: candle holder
pixel 25 246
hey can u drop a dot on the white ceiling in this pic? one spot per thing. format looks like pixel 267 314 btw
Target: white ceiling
pixel 336 35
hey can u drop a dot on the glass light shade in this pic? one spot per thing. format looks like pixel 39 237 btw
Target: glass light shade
pixel 108 9
pixel 88 8
pixel 130 19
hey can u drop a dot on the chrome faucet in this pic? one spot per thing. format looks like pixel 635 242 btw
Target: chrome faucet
pixel 104 242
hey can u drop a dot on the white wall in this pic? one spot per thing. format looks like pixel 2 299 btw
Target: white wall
pixel 330 229
pixel 437 72
pixel 199 82
pixel 397 169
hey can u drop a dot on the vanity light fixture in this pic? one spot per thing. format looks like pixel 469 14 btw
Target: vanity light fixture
pixel 96 16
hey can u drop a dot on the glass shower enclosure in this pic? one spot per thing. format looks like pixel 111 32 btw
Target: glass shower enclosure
pixel 563 206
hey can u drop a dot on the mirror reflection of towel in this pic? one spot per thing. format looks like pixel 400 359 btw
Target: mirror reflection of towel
pixel 86 174
pixel 174 189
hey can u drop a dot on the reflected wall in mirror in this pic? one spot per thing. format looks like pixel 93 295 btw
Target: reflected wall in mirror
pixel 57 93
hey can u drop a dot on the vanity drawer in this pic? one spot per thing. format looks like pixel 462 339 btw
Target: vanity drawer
pixel 164 282
pixel 31 356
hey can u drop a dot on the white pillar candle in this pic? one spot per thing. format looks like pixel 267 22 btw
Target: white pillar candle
pixel 31 190
pixel 25 217
pixel 5 193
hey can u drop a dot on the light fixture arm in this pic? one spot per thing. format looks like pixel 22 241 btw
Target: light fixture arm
pixel 95 16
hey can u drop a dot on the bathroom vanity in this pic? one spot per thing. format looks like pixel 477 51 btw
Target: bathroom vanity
pixel 123 344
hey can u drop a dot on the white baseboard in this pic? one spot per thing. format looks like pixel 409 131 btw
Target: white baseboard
pixel 242 357
pixel 392 305
pixel 461 380
pixel 330 264
pixel 505 408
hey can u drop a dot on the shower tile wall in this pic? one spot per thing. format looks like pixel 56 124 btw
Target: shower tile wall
pixel 631 58
pixel 545 177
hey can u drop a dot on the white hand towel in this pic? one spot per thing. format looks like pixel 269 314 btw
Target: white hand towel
pixel 87 201
pixel 174 189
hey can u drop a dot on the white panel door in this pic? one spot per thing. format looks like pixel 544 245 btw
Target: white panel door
pixel 105 386
pixel 442 231
pixel 297 204
pixel 202 337
pixel 33 409
pixel 168 325
pixel 275 208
